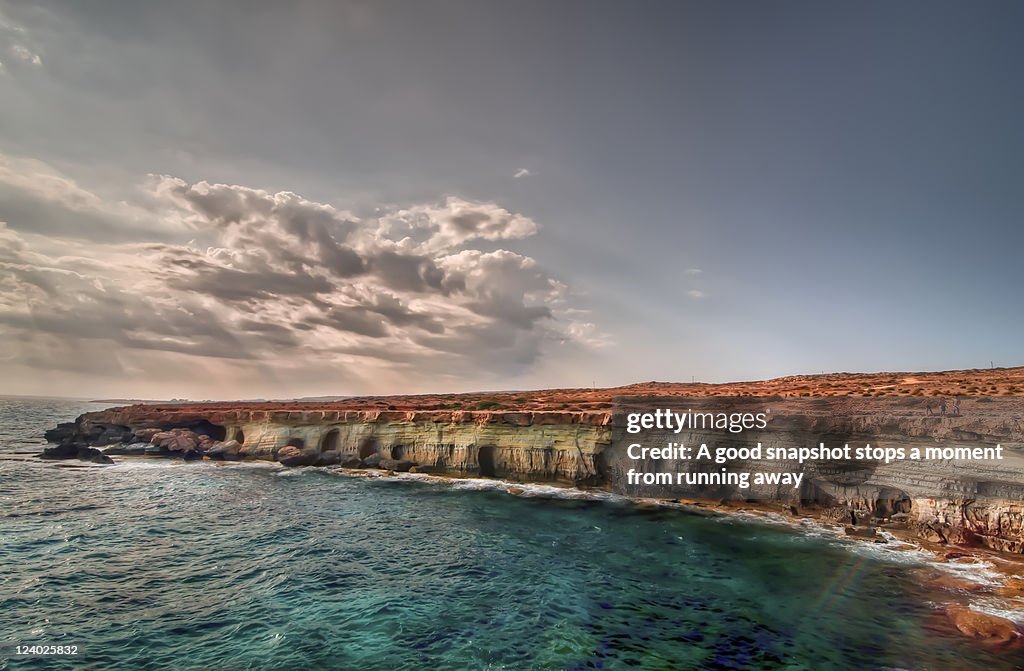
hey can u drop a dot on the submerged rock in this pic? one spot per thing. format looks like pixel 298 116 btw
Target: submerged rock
pixel 948 581
pixel 1012 587
pixel 983 626
pixel 862 532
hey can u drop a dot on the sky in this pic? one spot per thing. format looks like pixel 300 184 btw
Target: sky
pixel 273 200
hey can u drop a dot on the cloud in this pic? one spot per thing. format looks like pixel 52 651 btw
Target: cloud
pixel 278 280
pixel 694 271
pixel 40 181
pixel 24 54
pixel 695 294
pixel 454 222
pixel 37 198
pixel 16 42
pixel 589 334
pixel 522 172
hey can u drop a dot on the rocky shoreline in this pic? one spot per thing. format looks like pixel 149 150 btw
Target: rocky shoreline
pixel 975 504
pixel 541 446
pixel 568 448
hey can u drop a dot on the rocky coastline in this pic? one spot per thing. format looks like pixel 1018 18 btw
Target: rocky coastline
pixel 977 504
pixel 571 448
pixel 541 446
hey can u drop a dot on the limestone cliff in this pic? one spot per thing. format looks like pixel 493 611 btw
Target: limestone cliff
pixel 543 446
pixel 974 503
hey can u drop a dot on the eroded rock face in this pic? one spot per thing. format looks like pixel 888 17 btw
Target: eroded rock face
pixel 225 451
pixel 399 441
pixel 146 435
pixel 62 433
pixel 994 524
pixel 176 440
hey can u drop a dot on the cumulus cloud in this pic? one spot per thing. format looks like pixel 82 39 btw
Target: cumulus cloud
pixel 522 172
pixel 432 228
pixel 588 333
pixel 276 279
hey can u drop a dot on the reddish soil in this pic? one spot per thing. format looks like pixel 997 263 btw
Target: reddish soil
pixel 977 382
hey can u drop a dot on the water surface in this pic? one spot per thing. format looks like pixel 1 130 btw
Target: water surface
pixel 159 564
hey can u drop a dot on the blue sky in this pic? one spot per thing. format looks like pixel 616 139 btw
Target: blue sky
pixel 844 176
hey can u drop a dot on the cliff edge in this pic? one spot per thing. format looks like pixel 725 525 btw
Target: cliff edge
pixel 564 436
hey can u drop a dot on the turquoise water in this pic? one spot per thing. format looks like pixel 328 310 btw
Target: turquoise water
pixel 154 564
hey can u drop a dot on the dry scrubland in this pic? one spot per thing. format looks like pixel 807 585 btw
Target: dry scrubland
pixel 976 382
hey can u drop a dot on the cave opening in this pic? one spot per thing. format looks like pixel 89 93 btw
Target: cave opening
pixel 369 446
pixel 205 427
pixel 485 460
pixel 297 442
pixel 891 501
pixel 398 451
pixel 240 437
pixel 330 441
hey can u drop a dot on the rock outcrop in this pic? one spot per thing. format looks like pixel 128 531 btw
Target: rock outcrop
pixel 543 446
pixel 75 450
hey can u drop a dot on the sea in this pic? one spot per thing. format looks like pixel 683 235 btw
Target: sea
pixel 158 564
